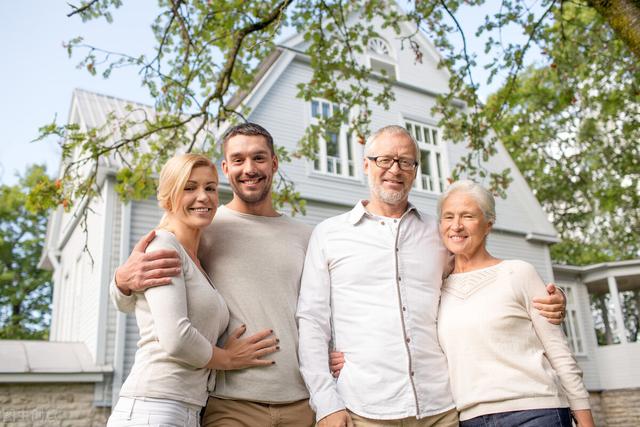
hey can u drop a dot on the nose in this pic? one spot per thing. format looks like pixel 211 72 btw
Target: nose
pixel 395 166
pixel 457 224
pixel 249 167
pixel 202 195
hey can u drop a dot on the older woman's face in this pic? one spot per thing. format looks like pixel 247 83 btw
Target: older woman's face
pixel 463 227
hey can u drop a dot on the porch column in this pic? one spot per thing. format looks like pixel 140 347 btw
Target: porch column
pixel 620 329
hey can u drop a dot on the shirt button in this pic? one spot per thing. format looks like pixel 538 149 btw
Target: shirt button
pixel 404 308
pixel 412 373
pixel 381 222
pixel 399 279
pixel 408 340
pixel 395 220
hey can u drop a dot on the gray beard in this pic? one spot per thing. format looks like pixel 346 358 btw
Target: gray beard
pixel 388 197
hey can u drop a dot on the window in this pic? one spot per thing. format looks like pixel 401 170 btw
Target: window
pixel 431 174
pixel 571 324
pixel 335 154
pixel 380 59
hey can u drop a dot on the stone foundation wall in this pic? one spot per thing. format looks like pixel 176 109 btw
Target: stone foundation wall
pixel 595 399
pixel 50 405
pixel 621 408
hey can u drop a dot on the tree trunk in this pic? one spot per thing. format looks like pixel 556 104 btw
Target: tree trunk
pixel 624 17
pixel 608 333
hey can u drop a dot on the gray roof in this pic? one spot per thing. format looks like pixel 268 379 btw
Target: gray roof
pixel 92 110
pixel 46 357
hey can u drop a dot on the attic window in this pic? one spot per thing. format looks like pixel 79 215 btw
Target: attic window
pixel 379 47
pixel 380 59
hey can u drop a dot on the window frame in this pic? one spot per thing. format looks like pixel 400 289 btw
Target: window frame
pixel 346 160
pixel 572 324
pixel 437 167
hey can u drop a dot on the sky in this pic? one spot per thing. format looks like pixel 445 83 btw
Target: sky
pixel 37 77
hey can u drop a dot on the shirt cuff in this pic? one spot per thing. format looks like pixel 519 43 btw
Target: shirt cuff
pixel 326 403
pixel 578 404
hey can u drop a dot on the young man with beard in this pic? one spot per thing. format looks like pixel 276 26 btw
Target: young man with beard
pixel 371 287
pixel 254 256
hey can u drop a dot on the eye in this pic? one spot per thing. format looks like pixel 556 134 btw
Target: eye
pixel 211 188
pixel 260 158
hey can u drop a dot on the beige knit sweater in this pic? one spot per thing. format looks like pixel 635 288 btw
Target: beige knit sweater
pixel 179 324
pixel 502 354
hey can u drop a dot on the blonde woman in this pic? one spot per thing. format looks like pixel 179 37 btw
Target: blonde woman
pixel 180 323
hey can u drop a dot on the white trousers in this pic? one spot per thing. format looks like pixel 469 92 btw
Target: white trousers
pixel 147 411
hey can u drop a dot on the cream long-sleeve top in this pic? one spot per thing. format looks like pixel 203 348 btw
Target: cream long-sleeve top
pixel 178 323
pixel 502 354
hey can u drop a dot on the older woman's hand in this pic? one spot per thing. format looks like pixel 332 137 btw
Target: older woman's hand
pixel 336 362
pixel 553 306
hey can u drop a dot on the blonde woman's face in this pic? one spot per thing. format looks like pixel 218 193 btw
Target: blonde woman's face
pixel 199 200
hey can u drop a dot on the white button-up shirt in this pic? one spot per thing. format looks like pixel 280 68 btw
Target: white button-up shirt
pixel 372 289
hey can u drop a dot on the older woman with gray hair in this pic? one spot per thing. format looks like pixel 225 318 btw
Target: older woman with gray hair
pixel 507 364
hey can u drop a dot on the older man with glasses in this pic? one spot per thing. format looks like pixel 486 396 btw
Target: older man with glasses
pixel 370 289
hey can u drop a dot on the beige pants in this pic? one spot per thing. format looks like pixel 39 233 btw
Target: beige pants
pixel 446 419
pixel 242 413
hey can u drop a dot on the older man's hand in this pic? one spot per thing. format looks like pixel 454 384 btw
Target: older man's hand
pixel 337 419
pixel 144 270
pixel 553 306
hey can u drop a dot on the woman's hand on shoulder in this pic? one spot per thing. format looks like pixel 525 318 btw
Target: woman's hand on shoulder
pixel 240 353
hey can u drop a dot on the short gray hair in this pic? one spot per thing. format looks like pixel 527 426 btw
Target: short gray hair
pixel 484 198
pixel 390 130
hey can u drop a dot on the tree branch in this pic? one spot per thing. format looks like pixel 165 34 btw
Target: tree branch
pixel 81 9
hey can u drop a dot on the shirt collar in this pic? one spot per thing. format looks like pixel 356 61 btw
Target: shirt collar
pixel 360 210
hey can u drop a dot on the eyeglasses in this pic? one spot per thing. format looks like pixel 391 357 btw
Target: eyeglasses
pixel 387 163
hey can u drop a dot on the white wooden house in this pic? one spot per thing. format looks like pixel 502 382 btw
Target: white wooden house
pixel 82 312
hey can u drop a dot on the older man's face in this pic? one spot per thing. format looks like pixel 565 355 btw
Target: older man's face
pixel 390 186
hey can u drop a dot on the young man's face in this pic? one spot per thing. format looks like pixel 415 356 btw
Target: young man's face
pixel 249 166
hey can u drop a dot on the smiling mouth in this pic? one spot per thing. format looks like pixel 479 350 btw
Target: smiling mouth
pixel 200 209
pixel 252 181
pixel 457 238
pixel 393 181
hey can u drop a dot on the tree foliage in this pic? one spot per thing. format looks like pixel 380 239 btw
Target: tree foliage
pixel 208 50
pixel 25 290
pixel 572 128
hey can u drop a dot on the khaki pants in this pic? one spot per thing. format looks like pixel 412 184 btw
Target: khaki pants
pixel 243 413
pixel 446 419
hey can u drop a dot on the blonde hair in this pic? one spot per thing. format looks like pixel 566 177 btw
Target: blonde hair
pixel 173 177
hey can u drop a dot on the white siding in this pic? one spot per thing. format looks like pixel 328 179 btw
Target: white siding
pixel 287 117
pixel 145 215
pixel 115 257
pixel 588 362
pixel 77 308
